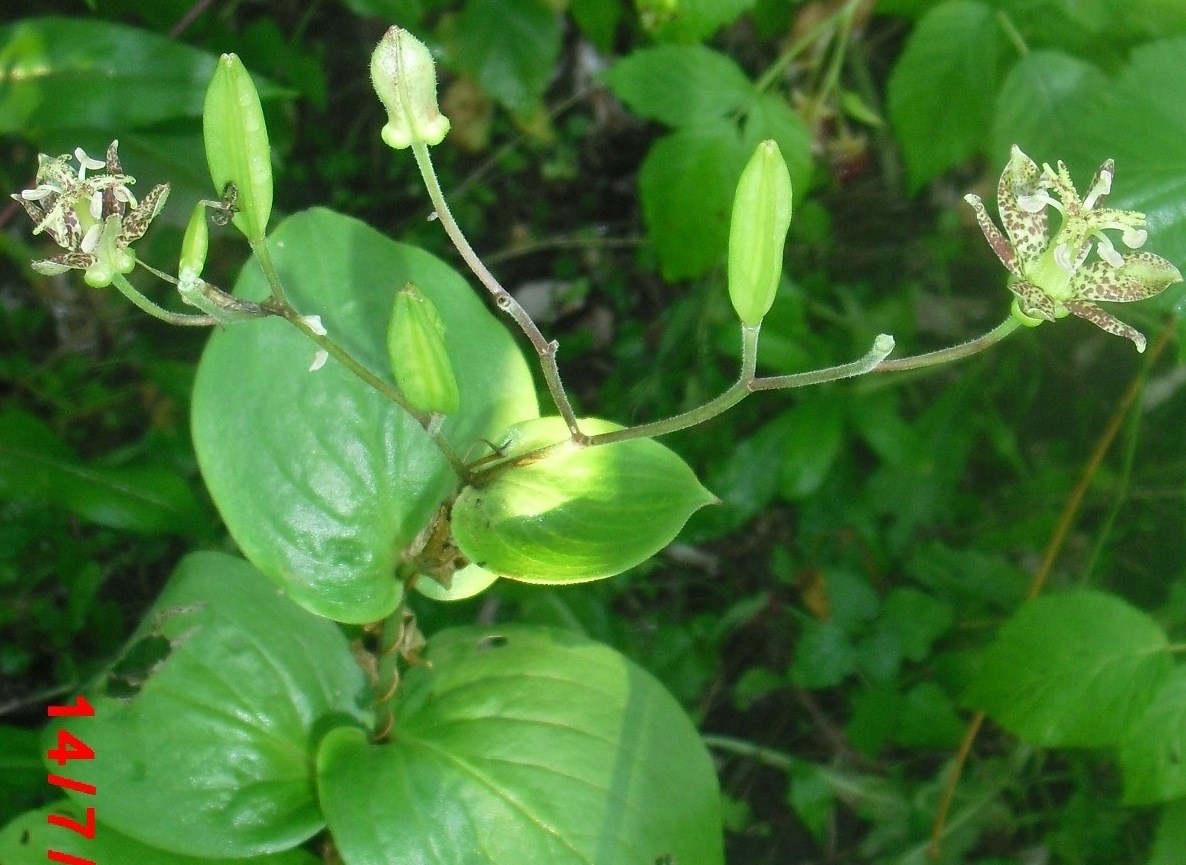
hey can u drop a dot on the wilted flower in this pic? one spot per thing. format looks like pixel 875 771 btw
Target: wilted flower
pixel 95 217
pixel 1051 276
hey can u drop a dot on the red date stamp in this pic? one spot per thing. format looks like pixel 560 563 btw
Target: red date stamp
pixel 70 747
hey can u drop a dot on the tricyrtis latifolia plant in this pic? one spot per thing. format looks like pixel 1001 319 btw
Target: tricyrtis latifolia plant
pixel 414 456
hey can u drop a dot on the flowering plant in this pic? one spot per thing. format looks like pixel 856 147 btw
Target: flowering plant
pixel 89 216
pixel 1051 276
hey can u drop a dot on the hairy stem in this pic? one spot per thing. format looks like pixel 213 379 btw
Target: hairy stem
pixel 502 298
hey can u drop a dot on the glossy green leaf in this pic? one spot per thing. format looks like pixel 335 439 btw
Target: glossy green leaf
pixel 955 48
pixel 208 751
pixel 467 582
pixel 1072 670
pixel 321 480
pixel 521 745
pixel 687 182
pixel 237 148
pixel 688 20
pixel 149 499
pixel 680 85
pixel 26 840
pixel 1153 754
pixel 75 73
pixel 510 47
pixel 578 514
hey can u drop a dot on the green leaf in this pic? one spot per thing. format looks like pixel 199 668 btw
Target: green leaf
pixel 26 839
pixel 597 20
pixel 681 85
pixel 916 620
pixel 22 778
pixel 955 48
pixel 65 73
pixel 1169 848
pixel 1044 92
pixel 321 480
pixel 686 183
pixel 520 745
pixel 578 514
pixel 769 116
pixel 510 47
pixel 824 656
pixel 1072 670
pixel 208 752
pixel 688 20
pixel 815 432
pixel 1153 754
pixel 36 465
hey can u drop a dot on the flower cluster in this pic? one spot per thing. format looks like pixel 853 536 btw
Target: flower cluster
pixel 94 217
pixel 1051 276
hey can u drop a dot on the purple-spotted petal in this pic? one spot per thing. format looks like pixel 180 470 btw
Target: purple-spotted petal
pixel 1027 226
pixel 1032 300
pixel 1106 321
pixel 136 222
pixel 998 242
pixel 64 262
pixel 1142 275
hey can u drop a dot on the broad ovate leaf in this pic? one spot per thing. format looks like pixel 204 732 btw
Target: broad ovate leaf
pixel 204 730
pixel 27 839
pixel 321 480
pixel 1076 669
pixel 579 513
pixel 524 745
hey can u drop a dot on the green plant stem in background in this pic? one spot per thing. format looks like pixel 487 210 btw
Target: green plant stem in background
pixel 502 298
pixel 179 318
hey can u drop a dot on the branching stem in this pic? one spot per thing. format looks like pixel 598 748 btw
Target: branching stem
pixel 503 299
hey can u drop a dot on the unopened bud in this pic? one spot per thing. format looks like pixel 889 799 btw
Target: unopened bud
pixel 194 246
pixel 757 232
pixel 237 149
pixel 405 79
pixel 419 361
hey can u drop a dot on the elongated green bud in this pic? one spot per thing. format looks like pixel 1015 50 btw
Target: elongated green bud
pixel 237 148
pixel 405 79
pixel 757 232
pixel 194 246
pixel 416 348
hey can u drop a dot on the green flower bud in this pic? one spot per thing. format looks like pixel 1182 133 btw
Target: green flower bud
pixel 761 216
pixel 193 246
pixel 405 79
pixel 416 348
pixel 237 149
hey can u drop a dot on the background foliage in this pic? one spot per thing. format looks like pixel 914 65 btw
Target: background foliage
pixel 831 624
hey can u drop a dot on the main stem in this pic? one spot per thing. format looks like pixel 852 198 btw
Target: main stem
pixel 502 298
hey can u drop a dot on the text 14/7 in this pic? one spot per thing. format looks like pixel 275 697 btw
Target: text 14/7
pixel 70 747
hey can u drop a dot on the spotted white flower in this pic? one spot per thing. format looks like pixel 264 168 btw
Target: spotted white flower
pixel 94 217
pixel 1051 276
